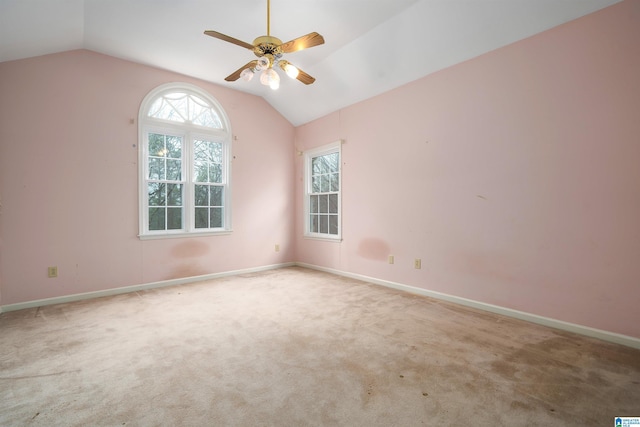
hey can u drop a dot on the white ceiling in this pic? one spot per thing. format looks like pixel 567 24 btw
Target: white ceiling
pixel 371 45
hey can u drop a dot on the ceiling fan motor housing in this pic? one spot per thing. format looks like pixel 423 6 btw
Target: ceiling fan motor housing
pixel 267 45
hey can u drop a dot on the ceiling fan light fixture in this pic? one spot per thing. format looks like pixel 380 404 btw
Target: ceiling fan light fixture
pixel 291 70
pixel 263 63
pixel 247 74
pixel 270 78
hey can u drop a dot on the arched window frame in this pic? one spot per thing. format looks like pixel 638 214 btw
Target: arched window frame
pixel 188 133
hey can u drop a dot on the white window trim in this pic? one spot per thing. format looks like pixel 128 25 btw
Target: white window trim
pixel 146 125
pixel 308 155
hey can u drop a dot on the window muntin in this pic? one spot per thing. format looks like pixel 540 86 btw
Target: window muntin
pixel 184 107
pixel 322 192
pixel 185 164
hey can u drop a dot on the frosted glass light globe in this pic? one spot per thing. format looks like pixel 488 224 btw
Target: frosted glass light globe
pixel 246 74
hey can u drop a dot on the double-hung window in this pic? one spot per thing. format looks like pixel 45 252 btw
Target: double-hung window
pixel 322 174
pixel 184 154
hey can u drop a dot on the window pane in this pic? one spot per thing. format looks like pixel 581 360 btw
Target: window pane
pixel 208 160
pixel 316 166
pixel 208 151
pixel 201 114
pixel 201 171
pixel 200 150
pixel 202 218
pixel 335 182
pixel 202 118
pixel 324 183
pixel 215 172
pixel 314 204
pixel 156 145
pixel 315 184
pixel 174 170
pixel 156 191
pixel 156 168
pixel 174 218
pixel 165 111
pixel 216 196
pixel 324 165
pixel 155 107
pixel 174 147
pixel 216 152
pixel 333 203
pixel 174 195
pixel 205 152
pixel 333 224
pixel 324 203
pixel 331 161
pixel 313 226
pixel 324 224
pixel 171 113
pixel 216 217
pixel 201 195
pixel 182 106
pixel 156 219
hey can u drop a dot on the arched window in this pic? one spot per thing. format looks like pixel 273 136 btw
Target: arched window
pixel 184 161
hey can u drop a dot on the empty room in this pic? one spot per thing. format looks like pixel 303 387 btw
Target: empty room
pixel 319 213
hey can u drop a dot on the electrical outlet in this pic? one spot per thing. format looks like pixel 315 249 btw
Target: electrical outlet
pixel 52 272
pixel 391 259
pixel 417 263
pixel 277 248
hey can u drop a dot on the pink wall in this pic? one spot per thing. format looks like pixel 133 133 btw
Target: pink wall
pixel 68 181
pixel 515 177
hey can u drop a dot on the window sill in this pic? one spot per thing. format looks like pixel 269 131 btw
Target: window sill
pixel 335 239
pixel 184 234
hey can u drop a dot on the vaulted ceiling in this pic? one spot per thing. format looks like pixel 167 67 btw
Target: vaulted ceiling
pixel 371 45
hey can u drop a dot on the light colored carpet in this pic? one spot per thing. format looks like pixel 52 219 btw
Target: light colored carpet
pixel 297 347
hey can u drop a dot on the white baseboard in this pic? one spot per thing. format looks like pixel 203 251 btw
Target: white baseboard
pixel 546 321
pixel 534 318
pixel 134 288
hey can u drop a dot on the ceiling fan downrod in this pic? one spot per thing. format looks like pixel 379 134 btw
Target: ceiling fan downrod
pixel 268 18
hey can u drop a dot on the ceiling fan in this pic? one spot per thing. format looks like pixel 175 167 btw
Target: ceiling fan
pixel 269 51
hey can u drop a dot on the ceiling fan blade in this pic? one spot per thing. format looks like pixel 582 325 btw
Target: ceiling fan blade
pixel 236 74
pixel 304 42
pixel 304 77
pixel 229 39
